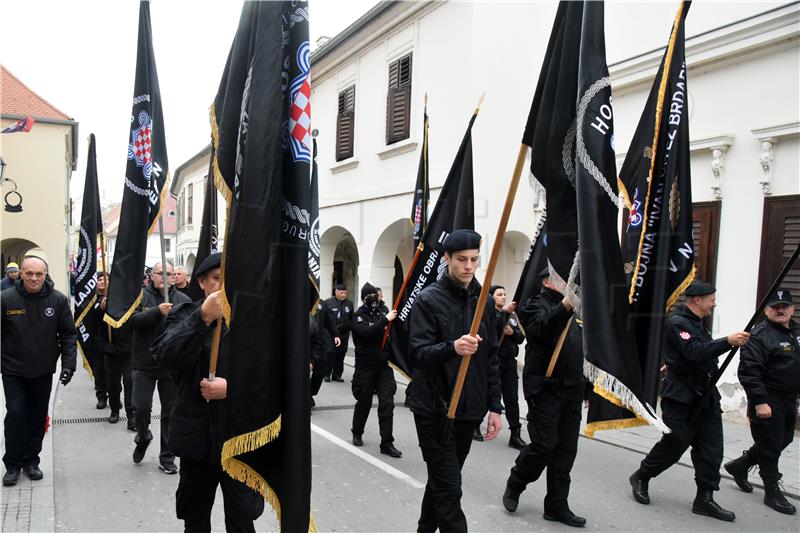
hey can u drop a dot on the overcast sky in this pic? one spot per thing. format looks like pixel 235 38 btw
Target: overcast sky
pixel 81 55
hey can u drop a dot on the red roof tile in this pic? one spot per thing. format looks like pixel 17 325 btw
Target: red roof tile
pixel 16 98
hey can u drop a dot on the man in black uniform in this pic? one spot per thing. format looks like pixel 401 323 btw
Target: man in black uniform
pixel 438 338
pixel 554 403
pixel 329 337
pixel 115 344
pixel 510 337
pixel 691 356
pixel 342 310
pixel 197 422
pixel 147 323
pixel 769 371
pixel 37 327
pixel 373 375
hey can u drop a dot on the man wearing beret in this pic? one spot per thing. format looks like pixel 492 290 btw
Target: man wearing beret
pixel 197 426
pixel 691 356
pixel 769 371
pixel 438 338
pixel 342 311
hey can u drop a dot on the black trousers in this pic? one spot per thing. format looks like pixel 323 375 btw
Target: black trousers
pixel 337 366
pixel 365 384
pixel 704 436
pixel 97 362
pixel 118 376
pixel 195 498
pixel 144 385
pixel 772 435
pixel 26 415
pixel 553 426
pixel 322 369
pixel 441 504
pixel 509 385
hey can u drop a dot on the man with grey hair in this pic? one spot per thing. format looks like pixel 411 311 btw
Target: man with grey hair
pixel 37 328
pixel 182 280
pixel 148 322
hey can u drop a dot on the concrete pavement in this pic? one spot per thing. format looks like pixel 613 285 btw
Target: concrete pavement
pixel 91 483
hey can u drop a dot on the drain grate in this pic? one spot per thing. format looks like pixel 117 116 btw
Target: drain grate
pixel 93 420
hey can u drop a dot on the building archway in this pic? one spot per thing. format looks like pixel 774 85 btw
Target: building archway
pixel 338 261
pixel 516 246
pixel 392 257
pixel 189 263
pixel 14 249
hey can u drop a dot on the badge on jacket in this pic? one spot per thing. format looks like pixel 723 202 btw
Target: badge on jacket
pixel 685 335
pixel 49 311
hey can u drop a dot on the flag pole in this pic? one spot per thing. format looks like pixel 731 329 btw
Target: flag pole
pixel 401 292
pixel 164 276
pixel 105 272
pixel 495 255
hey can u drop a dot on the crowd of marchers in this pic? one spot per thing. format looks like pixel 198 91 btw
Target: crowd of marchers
pixel 167 346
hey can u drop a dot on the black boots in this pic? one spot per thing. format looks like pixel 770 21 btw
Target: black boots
pixel 510 499
pixel 476 433
pixel 357 440
pixel 113 418
pixel 773 497
pixel 515 441
pixel 738 468
pixel 141 446
pixel 639 487
pixel 567 517
pixel 11 477
pixel 391 451
pixel 705 505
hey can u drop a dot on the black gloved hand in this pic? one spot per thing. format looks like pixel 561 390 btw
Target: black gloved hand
pixel 66 376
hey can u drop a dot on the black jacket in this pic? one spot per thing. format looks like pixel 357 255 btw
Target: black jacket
pixel 196 426
pixel 441 314
pixel 545 317
pixel 316 344
pixel 770 361
pixel 342 313
pixel 508 345
pixel 368 326
pixel 327 327
pixel 147 323
pixel 36 330
pixel 690 355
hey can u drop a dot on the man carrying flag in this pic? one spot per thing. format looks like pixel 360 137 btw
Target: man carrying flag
pixel 262 140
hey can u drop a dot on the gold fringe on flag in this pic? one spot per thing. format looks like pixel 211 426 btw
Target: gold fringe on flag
pixel 124 318
pixel 227 194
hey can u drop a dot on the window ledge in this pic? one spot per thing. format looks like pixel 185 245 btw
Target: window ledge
pixel 398 148
pixel 341 166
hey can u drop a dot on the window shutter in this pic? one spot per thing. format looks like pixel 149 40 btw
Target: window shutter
pixel 780 234
pixel 398 100
pixel 705 233
pixel 345 122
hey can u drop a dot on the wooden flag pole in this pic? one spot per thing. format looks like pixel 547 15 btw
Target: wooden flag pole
pixel 164 275
pixel 557 351
pixel 217 336
pixel 400 293
pixel 105 272
pixel 497 246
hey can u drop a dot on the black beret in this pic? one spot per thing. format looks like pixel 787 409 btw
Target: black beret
pixel 462 239
pixel 209 263
pixel 700 288
pixel 368 289
pixel 781 297
pixel 494 288
pixel 544 272
pixel 341 287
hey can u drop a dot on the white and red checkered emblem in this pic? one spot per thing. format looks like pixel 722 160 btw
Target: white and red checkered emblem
pixel 299 126
pixel 140 149
pixel 685 335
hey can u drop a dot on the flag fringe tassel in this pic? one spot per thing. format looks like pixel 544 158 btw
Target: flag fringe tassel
pixel 86 364
pixel 124 318
pixel 622 423
pixel 610 388
pixel 227 194
pixel 78 322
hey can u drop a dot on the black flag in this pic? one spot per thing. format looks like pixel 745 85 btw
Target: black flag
pixel 611 362
pixel 454 210
pixel 208 243
pixel 145 178
pixel 261 127
pixel 656 185
pixel 529 284
pixel 419 209
pixel 313 236
pixel 87 306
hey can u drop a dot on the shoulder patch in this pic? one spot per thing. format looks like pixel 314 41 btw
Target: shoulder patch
pixel 359 318
pixel 685 335
pixel 15 312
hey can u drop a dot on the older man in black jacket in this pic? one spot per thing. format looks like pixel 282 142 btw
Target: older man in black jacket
pixel 554 401
pixel 439 338
pixel 769 371
pixel 37 328
pixel 198 413
pixel 147 323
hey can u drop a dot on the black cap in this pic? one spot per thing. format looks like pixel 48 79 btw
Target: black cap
pixel 700 288
pixel 494 288
pixel 209 263
pixel 544 272
pixel 341 287
pixel 780 297
pixel 462 239
pixel 368 289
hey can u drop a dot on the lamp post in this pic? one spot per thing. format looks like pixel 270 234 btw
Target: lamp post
pixel 13 199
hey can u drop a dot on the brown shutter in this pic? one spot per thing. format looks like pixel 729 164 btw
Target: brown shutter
pixel 398 100
pixel 345 123
pixel 780 234
pixel 705 231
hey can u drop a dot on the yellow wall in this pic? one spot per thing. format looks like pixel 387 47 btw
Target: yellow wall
pixel 39 163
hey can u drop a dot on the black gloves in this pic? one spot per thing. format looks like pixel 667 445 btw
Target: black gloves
pixel 66 376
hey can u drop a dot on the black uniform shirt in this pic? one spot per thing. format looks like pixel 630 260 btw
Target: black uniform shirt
pixel 508 345
pixel 770 361
pixel 342 313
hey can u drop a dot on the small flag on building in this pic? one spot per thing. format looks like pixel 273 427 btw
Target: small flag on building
pixel 23 125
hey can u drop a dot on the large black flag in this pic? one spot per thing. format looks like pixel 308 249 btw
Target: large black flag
pixel 611 362
pixel 454 210
pixel 261 127
pixel 313 236
pixel 529 284
pixel 145 178
pixel 419 209
pixel 656 184
pixel 208 242
pixel 87 307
